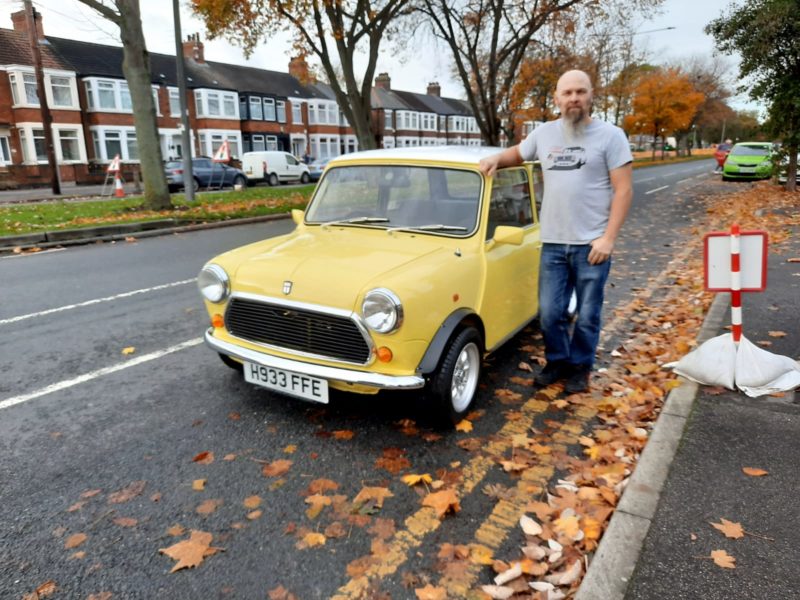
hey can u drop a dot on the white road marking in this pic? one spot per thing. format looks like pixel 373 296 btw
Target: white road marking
pixel 68 383
pixel 643 180
pixel 24 254
pixel 95 301
pixel 663 187
pixel 684 180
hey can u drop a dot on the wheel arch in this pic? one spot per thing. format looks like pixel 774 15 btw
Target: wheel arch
pixel 454 323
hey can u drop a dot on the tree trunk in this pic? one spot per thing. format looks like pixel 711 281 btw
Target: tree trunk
pixel 136 68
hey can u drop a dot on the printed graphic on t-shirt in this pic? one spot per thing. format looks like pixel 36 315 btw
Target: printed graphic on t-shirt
pixel 566 159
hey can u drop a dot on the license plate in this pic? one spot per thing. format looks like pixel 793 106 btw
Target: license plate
pixel 747 169
pixel 288 382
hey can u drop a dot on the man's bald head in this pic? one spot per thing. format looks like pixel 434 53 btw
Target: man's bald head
pixel 575 77
pixel 574 97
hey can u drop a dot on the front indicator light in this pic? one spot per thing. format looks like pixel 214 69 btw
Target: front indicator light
pixel 217 321
pixel 385 354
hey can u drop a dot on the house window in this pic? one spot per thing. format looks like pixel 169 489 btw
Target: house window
pixel 31 97
pixel 269 109
pixel 62 91
pixel 37 137
pixel 5 150
pixel 213 104
pixel 281 109
pixel 69 145
pixel 297 113
pixel 229 105
pixel 272 142
pixel 133 145
pixel 12 78
pixel 106 97
pixel 113 144
pixel 198 104
pixel 387 119
pixel 243 108
pixel 125 96
pixel 174 103
pixel 256 113
pixel 258 143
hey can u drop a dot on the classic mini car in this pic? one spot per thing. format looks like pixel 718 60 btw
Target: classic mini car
pixel 406 268
pixel 748 160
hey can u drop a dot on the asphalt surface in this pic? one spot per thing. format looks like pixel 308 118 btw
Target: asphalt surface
pixel 727 431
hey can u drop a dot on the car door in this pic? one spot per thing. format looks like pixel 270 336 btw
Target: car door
pixel 293 168
pixel 511 290
pixel 202 171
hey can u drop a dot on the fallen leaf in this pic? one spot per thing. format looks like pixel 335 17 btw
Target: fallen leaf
pixel 176 530
pixel 77 506
pixel 723 559
pixel 509 574
pixel 130 238
pixel 90 493
pixel 48 588
pixel 568 576
pixel 430 592
pixel 730 529
pixel 129 350
pixel 234 416
pixel 204 458
pixel 754 472
pixel 377 494
pixel 208 507
pixel 290 449
pixel 411 479
pixel 310 540
pixel 190 553
pixel 498 592
pixel 252 502
pixel 529 526
pixel 100 596
pixel 317 502
pixel 75 540
pixel 127 493
pixel 277 468
pixel 442 502
pixel 777 334
pixel 126 521
pixel 343 434
pixel 253 515
pixel 464 425
pixel 198 485
pixel 229 457
pixel 525 367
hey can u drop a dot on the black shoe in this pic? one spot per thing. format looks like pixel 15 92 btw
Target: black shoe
pixel 553 371
pixel 578 379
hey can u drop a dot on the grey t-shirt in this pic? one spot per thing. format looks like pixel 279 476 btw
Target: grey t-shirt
pixel 577 186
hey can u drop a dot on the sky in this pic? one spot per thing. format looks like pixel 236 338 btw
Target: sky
pixel 71 19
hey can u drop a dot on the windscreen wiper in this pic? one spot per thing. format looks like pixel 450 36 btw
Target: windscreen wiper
pixel 431 227
pixel 355 221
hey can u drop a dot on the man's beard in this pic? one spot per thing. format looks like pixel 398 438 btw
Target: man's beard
pixel 573 121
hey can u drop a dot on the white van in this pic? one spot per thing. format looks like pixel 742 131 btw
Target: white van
pixel 274 167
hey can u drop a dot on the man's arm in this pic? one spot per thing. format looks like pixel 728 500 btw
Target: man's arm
pixel 622 182
pixel 510 157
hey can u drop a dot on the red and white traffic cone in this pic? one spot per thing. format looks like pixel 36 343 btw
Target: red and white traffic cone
pixel 119 191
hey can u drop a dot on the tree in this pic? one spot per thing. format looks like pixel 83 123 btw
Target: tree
pixel 136 68
pixel 324 28
pixel 709 75
pixel 766 34
pixel 665 101
pixel 490 39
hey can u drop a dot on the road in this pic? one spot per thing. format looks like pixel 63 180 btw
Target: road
pixel 80 420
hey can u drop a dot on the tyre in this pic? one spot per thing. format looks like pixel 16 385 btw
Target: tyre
pixel 725 178
pixel 273 179
pixel 453 386
pixel 229 362
pixel 305 178
pixel 239 180
pixel 196 184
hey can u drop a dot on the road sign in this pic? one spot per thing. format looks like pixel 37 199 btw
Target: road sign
pixel 223 154
pixel 718 267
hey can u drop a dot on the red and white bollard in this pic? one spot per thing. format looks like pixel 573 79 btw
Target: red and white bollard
pixel 736 284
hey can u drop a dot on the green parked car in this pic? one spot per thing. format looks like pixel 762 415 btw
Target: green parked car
pixel 748 160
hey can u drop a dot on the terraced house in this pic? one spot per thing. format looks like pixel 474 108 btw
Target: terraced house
pixel 250 108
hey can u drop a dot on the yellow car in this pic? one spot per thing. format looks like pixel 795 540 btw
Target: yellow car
pixel 406 268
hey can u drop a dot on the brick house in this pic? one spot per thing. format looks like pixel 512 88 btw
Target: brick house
pixel 250 108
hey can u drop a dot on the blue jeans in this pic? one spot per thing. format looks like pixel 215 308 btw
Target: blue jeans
pixel 565 267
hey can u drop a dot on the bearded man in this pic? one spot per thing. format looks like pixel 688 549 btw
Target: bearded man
pixel 586 164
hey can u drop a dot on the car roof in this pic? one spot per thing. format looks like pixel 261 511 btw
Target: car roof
pixel 764 144
pixel 470 155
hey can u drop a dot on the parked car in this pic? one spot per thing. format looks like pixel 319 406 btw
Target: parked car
pixel 274 167
pixel 748 160
pixel 784 168
pixel 206 173
pixel 406 268
pixel 316 168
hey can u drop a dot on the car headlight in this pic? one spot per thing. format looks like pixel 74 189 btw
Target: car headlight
pixel 213 283
pixel 382 310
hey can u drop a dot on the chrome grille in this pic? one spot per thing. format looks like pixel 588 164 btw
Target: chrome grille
pixel 297 329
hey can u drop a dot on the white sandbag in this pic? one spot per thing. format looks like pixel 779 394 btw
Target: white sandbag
pixel 711 363
pixel 759 372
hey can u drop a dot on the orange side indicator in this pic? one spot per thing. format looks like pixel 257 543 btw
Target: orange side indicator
pixel 456 297
pixel 384 354
pixel 217 321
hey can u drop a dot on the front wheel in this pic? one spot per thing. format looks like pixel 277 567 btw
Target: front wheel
pixel 305 178
pixel 453 386
pixel 240 181
pixel 229 362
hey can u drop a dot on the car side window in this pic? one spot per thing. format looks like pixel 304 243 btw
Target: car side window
pixel 510 202
pixel 291 160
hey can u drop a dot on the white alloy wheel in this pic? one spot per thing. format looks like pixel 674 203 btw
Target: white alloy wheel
pixel 465 377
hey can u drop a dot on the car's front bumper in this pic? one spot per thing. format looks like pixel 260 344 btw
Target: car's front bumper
pixel 376 380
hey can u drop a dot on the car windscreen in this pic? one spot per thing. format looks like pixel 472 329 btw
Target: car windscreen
pixel 750 150
pixel 397 196
pixel 173 164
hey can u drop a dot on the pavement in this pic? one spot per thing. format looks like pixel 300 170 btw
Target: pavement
pixel 658 544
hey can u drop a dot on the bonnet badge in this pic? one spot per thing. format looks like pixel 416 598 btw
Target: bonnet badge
pixel 287 287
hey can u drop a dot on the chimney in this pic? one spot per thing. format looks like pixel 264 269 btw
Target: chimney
pixel 298 68
pixel 20 21
pixel 434 89
pixel 383 81
pixel 193 48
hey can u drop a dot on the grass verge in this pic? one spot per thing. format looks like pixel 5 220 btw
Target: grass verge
pixel 207 207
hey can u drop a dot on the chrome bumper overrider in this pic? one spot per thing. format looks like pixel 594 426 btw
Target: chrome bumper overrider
pixel 388 382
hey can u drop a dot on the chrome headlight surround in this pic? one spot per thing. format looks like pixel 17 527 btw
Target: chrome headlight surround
pixel 214 283
pixel 382 310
